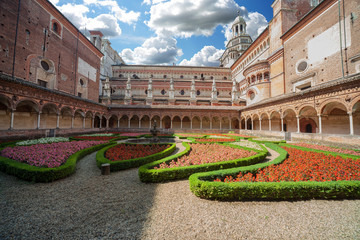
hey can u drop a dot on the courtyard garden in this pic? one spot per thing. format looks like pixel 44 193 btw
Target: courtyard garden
pixel 218 166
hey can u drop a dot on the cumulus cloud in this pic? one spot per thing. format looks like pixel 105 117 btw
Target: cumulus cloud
pixel 207 56
pixel 188 17
pixel 120 13
pixel 54 2
pixel 76 13
pixel 155 50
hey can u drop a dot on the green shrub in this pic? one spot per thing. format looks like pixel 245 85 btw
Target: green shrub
pixel 203 185
pixel 259 140
pixel 37 174
pixel 131 163
pixel 147 173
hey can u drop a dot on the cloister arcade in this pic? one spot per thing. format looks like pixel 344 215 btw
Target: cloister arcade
pixel 330 117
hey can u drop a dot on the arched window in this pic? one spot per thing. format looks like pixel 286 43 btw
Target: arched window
pixel 55 27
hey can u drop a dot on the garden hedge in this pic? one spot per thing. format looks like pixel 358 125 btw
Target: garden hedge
pixel 321 151
pixel 148 174
pixel 203 185
pixel 265 141
pixel 131 163
pixel 39 174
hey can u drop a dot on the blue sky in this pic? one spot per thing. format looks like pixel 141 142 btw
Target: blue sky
pixel 184 32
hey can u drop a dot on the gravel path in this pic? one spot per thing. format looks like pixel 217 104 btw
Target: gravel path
pixel 87 205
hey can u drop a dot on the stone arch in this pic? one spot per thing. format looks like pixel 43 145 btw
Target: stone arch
pixel 88 119
pixel 66 114
pixel 196 122
pixel 289 120
pixel 26 115
pixel 215 120
pixel 124 121
pixel 275 119
pixel 5 112
pixel 308 119
pixel 134 121
pixel 225 123
pixel 78 118
pixel 186 123
pixel 264 121
pixel 48 116
pixel 235 123
pixel 176 122
pixel 158 121
pixel 334 118
pixel 205 122
pixel 113 121
pixel 256 121
pixel 145 122
pixel 166 122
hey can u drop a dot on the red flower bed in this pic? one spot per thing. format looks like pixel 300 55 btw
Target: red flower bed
pixel 95 138
pixel 207 153
pixel 239 135
pixel 304 166
pixel 214 140
pixel 125 152
pixel 326 148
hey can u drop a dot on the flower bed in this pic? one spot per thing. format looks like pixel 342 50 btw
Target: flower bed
pixel 50 155
pixel 43 141
pixel 239 135
pixel 96 138
pixel 207 153
pixel 326 148
pixel 204 186
pixel 267 139
pixel 129 151
pixel 131 161
pixel 218 136
pixel 214 140
pixel 148 173
pixel 248 144
pixel 317 167
pixel 43 174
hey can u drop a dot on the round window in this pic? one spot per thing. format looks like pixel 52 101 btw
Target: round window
pixel 198 92
pixel 182 92
pixel 163 92
pixel 302 66
pixel 81 82
pixel 252 95
pixel 146 91
pixel 45 65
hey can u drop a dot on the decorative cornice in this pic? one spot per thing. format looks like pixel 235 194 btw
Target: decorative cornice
pixel 276 55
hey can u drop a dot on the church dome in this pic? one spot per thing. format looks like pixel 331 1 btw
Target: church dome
pixel 239 20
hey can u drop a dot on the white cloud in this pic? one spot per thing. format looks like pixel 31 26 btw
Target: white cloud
pixel 106 23
pixel 185 18
pixel 155 50
pixel 149 2
pixel 129 17
pixel 54 2
pixel 207 56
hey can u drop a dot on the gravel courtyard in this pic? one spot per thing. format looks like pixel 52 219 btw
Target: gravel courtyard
pixel 87 205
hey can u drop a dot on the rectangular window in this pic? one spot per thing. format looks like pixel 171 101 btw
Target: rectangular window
pixel 42 83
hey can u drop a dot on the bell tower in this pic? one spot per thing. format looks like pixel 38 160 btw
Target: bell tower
pixel 238 43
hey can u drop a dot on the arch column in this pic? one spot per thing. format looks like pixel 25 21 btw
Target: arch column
pixel 298 123
pixel 139 123
pixel 246 124
pixel 129 122
pixel 160 124
pixel 38 120
pixel 72 121
pixel 118 122
pixel 252 124
pixel 171 125
pixel 84 121
pixel 57 120
pixel 181 124
pixel 201 124
pixel 282 124
pixel 191 124
pixel 107 122
pixel 211 123
pixel 220 123
pixel 269 124
pixel 12 120
pixel 351 122
pixel 93 122
pixel 230 124
pixel 260 123
pixel 320 125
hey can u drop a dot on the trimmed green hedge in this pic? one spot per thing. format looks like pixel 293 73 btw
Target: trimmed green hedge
pixel 321 151
pixel 147 173
pixel 38 174
pixel 203 185
pixel 131 163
